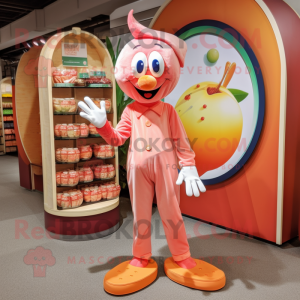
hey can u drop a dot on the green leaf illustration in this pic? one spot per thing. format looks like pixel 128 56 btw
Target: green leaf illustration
pixel 238 94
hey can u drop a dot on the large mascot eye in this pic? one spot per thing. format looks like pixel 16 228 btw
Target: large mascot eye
pixel 139 64
pixel 156 64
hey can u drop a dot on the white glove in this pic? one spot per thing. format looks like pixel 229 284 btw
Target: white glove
pixel 192 181
pixel 93 113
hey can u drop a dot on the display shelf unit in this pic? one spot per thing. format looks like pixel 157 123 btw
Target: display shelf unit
pixel 6 99
pixel 27 120
pixel 51 56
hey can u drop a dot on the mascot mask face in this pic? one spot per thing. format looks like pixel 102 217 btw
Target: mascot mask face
pixel 148 67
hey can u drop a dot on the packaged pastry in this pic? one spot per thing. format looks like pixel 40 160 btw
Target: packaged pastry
pixel 65 200
pixel 110 189
pixel 85 152
pixel 77 154
pixel 111 171
pixel 104 172
pixel 104 191
pixel 58 199
pixel 57 130
pixel 76 130
pixel 109 151
pixel 58 178
pixel 104 79
pixel 115 191
pixel 63 130
pixel 71 155
pixel 56 105
pixel 56 74
pixel 84 130
pixel 108 105
pixel 88 174
pixel 99 193
pixel 71 199
pixel 86 195
pixel 70 131
pixel 64 75
pixel 65 105
pixel 96 149
pixel 80 197
pixel 97 102
pixel 64 154
pixel 74 199
pixel 58 155
pixel 94 193
pixel 99 151
pixel 97 172
pixel 73 105
pixel 73 178
pixel 93 129
pixel 107 101
pixel 64 178
pixel 79 82
pixel 81 175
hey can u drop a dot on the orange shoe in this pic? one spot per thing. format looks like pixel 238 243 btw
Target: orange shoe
pixel 126 279
pixel 203 276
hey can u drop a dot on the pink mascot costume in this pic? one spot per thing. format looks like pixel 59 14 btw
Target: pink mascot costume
pixel 147 70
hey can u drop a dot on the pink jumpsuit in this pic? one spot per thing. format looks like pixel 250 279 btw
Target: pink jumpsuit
pixel 157 139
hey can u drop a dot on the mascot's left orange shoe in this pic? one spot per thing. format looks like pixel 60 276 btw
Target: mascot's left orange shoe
pixel 203 276
pixel 126 279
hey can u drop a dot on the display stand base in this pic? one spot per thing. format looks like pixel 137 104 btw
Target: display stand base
pixel 82 228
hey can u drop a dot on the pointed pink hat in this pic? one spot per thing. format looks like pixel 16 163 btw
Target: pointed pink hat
pixel 141 32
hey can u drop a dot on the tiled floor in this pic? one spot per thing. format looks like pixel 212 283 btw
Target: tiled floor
pixel 254 269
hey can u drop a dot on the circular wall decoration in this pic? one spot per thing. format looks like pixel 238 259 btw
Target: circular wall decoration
pixel 223 124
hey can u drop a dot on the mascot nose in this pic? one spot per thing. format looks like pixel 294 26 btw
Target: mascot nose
pixel 147 82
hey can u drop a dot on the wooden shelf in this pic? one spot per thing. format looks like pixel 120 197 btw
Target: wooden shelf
pixel 93 159
pixel 74 139
pixel 93 181
pixel 98 57
pixel 6 88
pixel 85 210
pixel 74 114
pixel 82 87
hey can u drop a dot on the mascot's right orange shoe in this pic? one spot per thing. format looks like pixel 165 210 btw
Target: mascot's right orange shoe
pixel 126 279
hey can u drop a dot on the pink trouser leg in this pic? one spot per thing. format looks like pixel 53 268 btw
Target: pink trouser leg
pixel 167 193
pixel 141 190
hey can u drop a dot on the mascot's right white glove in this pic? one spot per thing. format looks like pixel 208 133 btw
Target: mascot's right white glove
pixel 192 180
pixel 91 112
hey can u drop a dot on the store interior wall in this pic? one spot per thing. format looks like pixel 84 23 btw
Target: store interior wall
pixel 57 15
pixel 144 11
pixel 295 4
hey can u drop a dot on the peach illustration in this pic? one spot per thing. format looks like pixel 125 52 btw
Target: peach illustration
pixel 213 121
pixel 39 258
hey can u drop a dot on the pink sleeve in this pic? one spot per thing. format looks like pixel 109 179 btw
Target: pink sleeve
pixel 117 136
pixel 185 153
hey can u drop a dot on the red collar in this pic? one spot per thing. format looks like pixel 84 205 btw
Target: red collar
pixel 140 109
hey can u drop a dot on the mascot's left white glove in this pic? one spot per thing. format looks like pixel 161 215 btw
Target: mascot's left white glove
pixel 192 180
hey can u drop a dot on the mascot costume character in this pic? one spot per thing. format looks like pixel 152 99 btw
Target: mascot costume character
pixel 147 70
